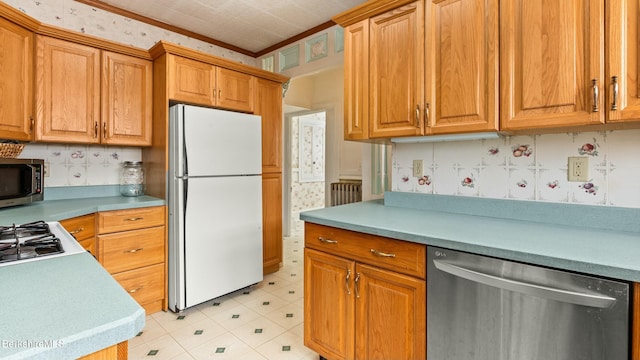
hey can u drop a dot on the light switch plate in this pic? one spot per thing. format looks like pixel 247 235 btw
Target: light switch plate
pixel 578 169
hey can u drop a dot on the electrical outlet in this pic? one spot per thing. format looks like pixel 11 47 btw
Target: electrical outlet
pixel 578 168
pixel 418 171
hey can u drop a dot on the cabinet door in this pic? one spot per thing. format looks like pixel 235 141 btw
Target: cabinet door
pixel 462 66
pixel 329 301
pixel 67 91
pixel 16 82
pixel 126 100
pixel 396 71
pixel 389 306
pixel 623 35
pixel 271 222
pixel 234 90
pixel 191 81
pixel 551 52
pixel 356 81
pixel 269 107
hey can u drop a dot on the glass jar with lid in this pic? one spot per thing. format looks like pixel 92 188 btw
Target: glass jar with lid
pixel 132 179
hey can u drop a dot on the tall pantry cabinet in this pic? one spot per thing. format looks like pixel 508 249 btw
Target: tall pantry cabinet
pixel 188 76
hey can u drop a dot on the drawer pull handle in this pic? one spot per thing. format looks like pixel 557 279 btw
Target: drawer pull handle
pixel 134 219
pixel 134 290
pixel 382 254
pixel 327 241
pixel 76 231
pixel 134 250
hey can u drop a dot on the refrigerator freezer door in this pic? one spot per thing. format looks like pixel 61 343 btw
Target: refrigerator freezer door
pixel 222 236
pixel 219 143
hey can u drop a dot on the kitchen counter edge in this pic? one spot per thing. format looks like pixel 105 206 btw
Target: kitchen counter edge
pixel 601 252
pixel 57 210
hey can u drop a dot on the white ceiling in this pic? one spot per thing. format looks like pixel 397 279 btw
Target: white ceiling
pixel 253 25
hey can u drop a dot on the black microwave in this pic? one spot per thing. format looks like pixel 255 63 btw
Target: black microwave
pixel 21 181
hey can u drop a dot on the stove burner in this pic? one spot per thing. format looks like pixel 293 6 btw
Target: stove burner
pixel 18 242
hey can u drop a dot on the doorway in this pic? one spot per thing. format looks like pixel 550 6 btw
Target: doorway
pixel 305 136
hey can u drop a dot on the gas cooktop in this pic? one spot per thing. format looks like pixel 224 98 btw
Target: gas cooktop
pixel 35 241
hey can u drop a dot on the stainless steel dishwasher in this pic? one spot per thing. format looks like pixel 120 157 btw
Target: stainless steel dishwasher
pixel 482 308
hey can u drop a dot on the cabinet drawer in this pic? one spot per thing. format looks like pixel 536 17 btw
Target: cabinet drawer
pixel 131 249
pixel 396 255
pixel 145 285
pixel 121 220
pixel 81 227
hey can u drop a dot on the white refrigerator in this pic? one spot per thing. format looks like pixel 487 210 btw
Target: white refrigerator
pixel 215 203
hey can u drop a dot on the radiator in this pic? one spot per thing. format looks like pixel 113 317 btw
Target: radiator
pixel 345 192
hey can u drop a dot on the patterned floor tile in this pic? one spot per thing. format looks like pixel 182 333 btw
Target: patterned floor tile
pixel 262 322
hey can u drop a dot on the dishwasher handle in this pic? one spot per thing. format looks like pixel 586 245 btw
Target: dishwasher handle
pixel 568 296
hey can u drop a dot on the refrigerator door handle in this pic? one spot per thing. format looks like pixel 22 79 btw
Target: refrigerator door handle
pixel 185 197
pixel 185 156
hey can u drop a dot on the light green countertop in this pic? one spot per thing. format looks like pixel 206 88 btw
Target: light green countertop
pixel 594 240
pixel 63 308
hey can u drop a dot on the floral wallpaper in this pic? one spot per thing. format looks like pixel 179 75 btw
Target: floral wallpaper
pixel 72 15
pixel 532 167
pixel 81 165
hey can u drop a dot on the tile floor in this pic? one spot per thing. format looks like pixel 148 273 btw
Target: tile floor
pixel 256 323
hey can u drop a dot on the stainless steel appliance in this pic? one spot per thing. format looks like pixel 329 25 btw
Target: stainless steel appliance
pixel 35 241
pixel 482 308
pixel 215 203
pixel 21 181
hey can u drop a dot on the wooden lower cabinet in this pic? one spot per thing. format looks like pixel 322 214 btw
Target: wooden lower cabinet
pixel 83 229
pixel 132 248
pixel 119 351
pixel 356 307
pixel 271 222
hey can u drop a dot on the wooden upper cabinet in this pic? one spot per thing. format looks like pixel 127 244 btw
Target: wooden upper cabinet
pixel 126 100
pixel 16 82
pixel 235 90
pixel 205 84
pixel 622 36
pixel 356 81
pixel 551 57
pixel 396 71
pixel 73 103
pixel 268 104
pixel 67 91
pixel 462 66
pixel 191 81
